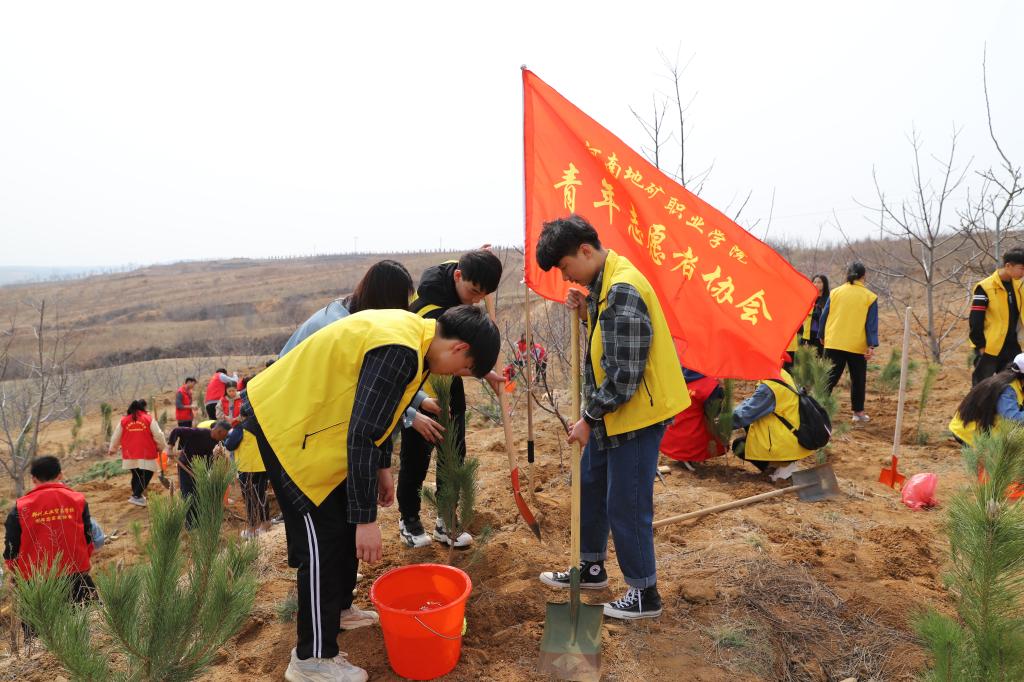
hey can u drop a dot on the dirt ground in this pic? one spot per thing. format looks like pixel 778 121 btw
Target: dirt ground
pixel 784 590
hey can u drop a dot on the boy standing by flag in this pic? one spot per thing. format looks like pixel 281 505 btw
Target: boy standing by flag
pixel 633 387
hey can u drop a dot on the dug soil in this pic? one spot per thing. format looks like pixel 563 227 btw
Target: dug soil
pixel 785 590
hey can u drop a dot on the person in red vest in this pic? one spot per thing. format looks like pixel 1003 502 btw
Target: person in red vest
pixel 51 520
pixel 229 408
pixel 215 390
pixel 141 441
pixel 688 438
pixel 184 409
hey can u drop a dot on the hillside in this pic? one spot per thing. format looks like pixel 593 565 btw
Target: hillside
pixel 202 308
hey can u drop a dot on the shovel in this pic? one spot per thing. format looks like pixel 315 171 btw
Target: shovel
pixel 892 477
pixel 811 485
pixel 529 387
pixel 513 465
pixel 571 647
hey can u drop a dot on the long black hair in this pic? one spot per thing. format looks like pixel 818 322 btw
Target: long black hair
pixel 825 288
pixel 979 405
pixel 387 284
pixel 136 407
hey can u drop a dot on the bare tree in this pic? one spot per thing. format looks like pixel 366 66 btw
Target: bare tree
pixel 925 251
pixel 654 128
pixel 997 210
pixel 49 393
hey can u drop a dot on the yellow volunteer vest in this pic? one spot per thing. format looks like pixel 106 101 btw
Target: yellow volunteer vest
pixel 997 314
pixel 805 331
pixel 965 432
pixel 768 439
pixel 847 314
pixel 206 424
pixel 247 455
pixel 662 394
pixel 793 344
pixel 304 400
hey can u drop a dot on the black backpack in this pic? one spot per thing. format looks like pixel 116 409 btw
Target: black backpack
pixel 815 427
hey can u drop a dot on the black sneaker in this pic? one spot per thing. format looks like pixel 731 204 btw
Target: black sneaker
pixel 412 533
pixel 592 576
pixel 638 603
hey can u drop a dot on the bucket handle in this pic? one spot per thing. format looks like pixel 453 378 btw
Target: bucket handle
pixel 433 631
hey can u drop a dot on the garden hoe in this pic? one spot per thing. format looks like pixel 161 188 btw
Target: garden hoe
pixel 524 509
pixel 812 485
pixel 571 647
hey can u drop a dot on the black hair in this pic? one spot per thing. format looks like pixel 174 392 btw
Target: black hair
pixel 230 384
pixel 824 284
pixel 268 363
pixel 980 403
pixel 1014 256
pixel 226 425
pixel 855 271
pixel 221 370
pixel 136 407
pixel 471 324
pixel 563 237
pixel 188 379
pixel 386 284
pixel 482 268
pixel 45 469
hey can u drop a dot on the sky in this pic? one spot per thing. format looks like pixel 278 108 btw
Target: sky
pixel 156 132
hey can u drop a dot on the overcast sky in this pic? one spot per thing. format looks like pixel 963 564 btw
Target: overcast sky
pixel 143 132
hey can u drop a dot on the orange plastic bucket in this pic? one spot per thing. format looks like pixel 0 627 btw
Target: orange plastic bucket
pixel 421 609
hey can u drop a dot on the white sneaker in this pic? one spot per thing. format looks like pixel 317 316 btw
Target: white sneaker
pixel 355 617
pixel 412 533
pixel 336 669
pixel 138 501
pixel 441 535
pixel 861 418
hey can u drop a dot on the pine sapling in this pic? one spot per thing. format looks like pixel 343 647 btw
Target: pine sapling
pixel 984 642
pixel 107 414
pixel 812 373
pixel 164 618
pixel 889 379
pixel 76 428
pixel 719 414
pixel 931 372
pixel 455 497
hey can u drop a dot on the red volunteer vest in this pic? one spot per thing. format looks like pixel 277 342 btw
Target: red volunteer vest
pixel 185 414
pixel 235 410
pixel 136 439
pixel 51 522
pixel 215 389
pixel 687 438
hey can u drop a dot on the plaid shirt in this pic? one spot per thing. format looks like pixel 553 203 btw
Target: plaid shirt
pixel 626 336
pixel 386 372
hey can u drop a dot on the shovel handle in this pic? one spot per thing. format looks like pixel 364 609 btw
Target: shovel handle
pixel 732 505
pixel 574 325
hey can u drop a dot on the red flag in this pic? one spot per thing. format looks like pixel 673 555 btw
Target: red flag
pixel 732 303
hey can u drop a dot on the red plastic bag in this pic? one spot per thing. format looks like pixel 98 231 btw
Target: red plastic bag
pixel 919 491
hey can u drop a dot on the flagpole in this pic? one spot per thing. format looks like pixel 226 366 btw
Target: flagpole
pixel 526 308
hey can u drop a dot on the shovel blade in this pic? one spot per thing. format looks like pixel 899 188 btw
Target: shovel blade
pixel 821 482
pixel 571 652
pixel 892 477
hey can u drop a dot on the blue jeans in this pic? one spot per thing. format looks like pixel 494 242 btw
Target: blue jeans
pixel 618 494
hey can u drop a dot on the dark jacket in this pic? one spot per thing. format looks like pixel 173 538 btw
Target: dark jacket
pixel 437 288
